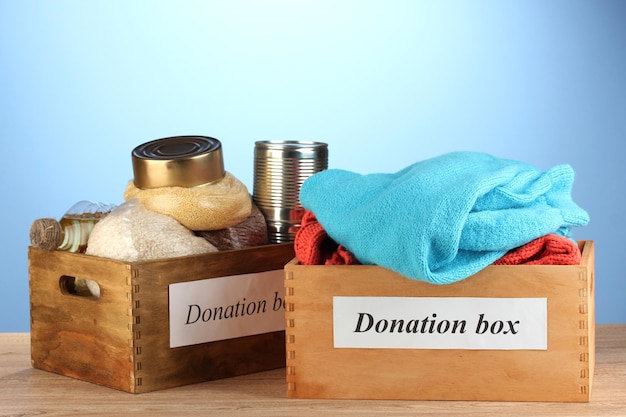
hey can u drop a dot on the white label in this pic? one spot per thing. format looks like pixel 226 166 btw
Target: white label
pixel 440 323
pixel 227 307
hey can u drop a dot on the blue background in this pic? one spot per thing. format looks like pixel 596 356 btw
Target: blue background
pixel 384 83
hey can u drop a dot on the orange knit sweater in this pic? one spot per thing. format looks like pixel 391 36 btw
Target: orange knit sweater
pixel 550 249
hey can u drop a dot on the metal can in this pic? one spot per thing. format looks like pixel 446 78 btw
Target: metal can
pixel 280 169
pixel 178 161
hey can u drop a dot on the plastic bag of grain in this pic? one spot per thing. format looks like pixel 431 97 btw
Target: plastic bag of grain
pixel 133 233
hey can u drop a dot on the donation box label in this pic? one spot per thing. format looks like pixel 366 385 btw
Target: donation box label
pixel 225 308
pixel 440 323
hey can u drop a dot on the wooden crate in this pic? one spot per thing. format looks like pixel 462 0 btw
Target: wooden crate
pixel 561 372
pixel 122 339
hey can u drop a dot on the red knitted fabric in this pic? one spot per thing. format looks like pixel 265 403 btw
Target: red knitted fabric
pixel 551 249
pixel 313 246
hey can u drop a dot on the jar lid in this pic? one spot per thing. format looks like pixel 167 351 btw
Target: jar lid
pixel 178 161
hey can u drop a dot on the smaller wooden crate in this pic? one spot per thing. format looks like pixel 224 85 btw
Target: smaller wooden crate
pixel 562 372
pixel 122 339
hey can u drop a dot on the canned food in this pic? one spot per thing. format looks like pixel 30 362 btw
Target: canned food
pixel 280 169
pixel 178 161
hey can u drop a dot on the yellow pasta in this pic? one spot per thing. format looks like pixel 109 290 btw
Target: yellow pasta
pixel 213 206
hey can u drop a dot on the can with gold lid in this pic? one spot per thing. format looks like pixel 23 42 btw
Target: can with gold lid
pixel 178 161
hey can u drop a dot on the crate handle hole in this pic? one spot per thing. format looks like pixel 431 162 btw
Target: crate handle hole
pixel 79 287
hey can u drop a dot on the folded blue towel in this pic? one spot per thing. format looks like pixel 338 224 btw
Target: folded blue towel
pixel 443 219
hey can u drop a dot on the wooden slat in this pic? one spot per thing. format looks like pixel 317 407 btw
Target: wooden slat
pixel 78 337
pixel 25 391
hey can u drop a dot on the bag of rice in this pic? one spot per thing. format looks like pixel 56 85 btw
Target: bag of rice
pixel 133 233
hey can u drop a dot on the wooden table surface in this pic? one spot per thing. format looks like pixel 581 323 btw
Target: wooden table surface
pixel 25 391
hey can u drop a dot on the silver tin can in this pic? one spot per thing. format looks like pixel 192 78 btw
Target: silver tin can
pixel 280 169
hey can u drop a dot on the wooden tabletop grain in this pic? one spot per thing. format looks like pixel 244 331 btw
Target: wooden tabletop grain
pixel 25 391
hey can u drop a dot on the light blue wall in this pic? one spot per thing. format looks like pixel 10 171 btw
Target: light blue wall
pixel 384 83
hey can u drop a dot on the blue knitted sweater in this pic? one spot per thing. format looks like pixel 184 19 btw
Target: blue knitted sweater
pixel 443 219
